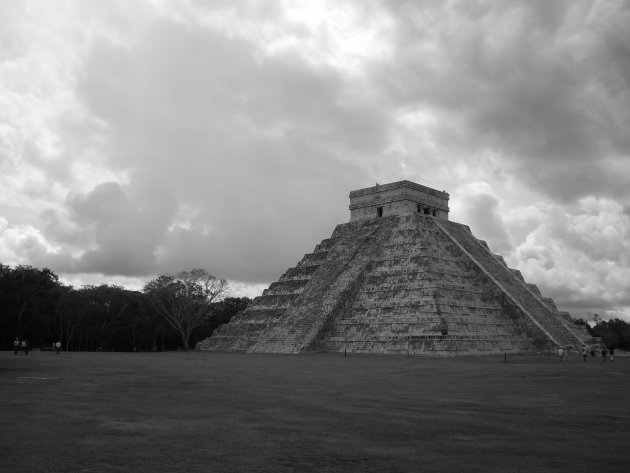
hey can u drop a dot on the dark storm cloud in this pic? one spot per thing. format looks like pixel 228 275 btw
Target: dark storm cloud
pixel 259 149
pixel 187 84
pixel 543 83
pixel 127 224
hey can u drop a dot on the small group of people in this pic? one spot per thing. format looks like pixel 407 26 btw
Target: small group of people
pixel 610 353
pixel 20 345
pixel 604 352
pixel 23 345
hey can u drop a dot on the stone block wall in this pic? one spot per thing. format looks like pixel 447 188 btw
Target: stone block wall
pixel 526 297
pixel 423 296
pixel 328 291
pixel 397 199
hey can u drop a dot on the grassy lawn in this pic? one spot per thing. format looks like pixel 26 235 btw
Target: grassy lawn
pixel 206 412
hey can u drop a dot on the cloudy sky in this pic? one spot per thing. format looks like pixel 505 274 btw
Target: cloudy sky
pixel 140 138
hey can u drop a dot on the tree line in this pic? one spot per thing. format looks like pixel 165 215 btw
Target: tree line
pixel 171 312
pixel 615 333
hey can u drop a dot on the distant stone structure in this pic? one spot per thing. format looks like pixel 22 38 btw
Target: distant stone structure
pixel 400 278
pixel 398 198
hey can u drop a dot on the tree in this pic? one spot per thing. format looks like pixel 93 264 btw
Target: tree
pixel 615 333
pixel 228 308
pixel 107 317
pixel 222 313
pixel 64 316
pixel 27 298
pixel 184 299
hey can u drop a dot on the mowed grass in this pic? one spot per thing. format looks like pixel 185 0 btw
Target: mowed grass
pixel 208 412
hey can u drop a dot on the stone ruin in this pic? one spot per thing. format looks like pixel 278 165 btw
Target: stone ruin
pixel 400 278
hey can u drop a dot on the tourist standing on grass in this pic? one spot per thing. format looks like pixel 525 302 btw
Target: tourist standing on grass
pixel 584 352
pixel 560 354
pixel 604 353
pixel 16 345
pixel 57 347
pixel 612 354
pixel 25 347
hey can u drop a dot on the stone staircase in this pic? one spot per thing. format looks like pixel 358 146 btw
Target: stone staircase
pixel 247 327
pixel 291 314
pixel 301 326
pixel 557 326
pixel 423 296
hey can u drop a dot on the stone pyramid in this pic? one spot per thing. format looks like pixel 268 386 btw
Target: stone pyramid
pixel 400 278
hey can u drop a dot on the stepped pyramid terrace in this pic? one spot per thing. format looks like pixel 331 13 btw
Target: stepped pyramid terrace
pixel 400 278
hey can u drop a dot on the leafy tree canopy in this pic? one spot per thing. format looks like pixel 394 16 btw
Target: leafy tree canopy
pixel 185 299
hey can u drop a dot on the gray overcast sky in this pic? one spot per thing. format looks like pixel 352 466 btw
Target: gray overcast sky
pixel 139 138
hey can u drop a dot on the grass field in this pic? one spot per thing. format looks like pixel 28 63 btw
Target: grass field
pixel 204 412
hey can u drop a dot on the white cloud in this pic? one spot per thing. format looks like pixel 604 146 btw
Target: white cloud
pixel 579 255
pixel 23 244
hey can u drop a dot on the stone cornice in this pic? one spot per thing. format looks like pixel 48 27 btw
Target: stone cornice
pixel 396 185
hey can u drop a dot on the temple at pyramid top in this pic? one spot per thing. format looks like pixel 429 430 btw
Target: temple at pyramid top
pixel 397 198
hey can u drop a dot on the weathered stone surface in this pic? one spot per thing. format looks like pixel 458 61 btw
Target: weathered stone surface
pixel 397 198
pixel 405 283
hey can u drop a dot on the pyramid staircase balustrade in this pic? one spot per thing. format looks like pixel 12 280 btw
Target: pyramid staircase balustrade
pixel 513 285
